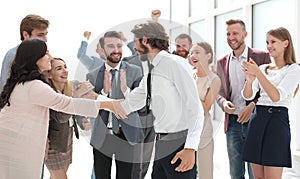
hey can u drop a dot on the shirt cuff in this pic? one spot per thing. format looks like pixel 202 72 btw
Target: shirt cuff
pixel 103 93
pixel 103 98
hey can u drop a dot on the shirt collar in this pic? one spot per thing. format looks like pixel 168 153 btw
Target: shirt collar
pixel 109 67
pixel 244 55
pixel 158 57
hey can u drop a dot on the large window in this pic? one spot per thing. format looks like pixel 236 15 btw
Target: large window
pixel 198 8
pixel 197 31
pixel 264 20
pixel 221 46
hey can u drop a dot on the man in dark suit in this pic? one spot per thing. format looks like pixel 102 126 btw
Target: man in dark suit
pixel 237 110
pixel 110 136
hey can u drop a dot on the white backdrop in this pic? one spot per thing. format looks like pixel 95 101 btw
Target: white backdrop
pixel 69 19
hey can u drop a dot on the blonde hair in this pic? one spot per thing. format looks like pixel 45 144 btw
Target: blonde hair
pixel 67 90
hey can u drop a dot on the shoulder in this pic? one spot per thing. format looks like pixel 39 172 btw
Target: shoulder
pixel 215 78
pixel 257 51
pixel 294 66
pixel 37 84
pixel 131 57
pixel 95 71
pixel 130 66
pixel 10 54
pixel 223 58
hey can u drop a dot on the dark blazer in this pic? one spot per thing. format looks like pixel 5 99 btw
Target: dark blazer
pixel 260 57
pixel 58 131
pixel 131 126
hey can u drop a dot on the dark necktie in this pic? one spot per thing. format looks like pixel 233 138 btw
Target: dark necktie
pixel 115 122
pixel 75 128
pixel 148 99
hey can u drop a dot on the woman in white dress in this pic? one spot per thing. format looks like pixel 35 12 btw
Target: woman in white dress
pixel 24 117
pixel 208 84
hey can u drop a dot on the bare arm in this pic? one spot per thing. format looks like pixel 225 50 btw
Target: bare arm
pixel 211 95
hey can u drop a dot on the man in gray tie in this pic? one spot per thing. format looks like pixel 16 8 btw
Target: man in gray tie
pixel 110 136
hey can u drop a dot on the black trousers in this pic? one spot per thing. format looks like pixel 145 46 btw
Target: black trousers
pixel 114 144
pixel 165 150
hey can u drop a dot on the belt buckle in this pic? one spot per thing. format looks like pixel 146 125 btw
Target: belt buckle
pixel 160 135
pixel 110 131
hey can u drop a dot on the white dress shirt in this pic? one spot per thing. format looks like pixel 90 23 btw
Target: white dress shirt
pixel 284 79
pixel 237 79
pixel 174 102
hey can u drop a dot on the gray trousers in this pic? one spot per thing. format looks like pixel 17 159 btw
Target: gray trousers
pixel 143 150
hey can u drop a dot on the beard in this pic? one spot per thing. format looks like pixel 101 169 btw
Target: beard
pixel 183 53
pixel 143 53
pixel 239 45
pixel 113 60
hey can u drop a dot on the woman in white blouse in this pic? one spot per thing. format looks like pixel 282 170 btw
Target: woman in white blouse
pixel 268 142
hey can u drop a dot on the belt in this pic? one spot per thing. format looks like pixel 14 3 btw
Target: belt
pixel 144 113
pixel 110 131
pixel 171 136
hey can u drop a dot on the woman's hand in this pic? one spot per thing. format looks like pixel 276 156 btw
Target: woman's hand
pixel 250 69
pixel 82 89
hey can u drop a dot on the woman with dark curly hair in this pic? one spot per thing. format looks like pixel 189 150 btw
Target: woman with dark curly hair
pixel 24 117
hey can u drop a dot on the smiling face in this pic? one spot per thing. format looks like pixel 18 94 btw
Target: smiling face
pixel 275 46
pixel 58 72
pixel 183 47
pixel 236 36
pixel 44 63
pixel 113 50
pixel 199 56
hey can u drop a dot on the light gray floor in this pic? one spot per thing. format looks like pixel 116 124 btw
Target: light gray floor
pixel 82 158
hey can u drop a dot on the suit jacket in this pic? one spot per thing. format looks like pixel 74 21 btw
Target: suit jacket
pixel 260 57
pixel 58 131
pixel 134 59
pixel 131 126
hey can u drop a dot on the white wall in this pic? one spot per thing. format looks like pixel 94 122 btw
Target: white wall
pixel 69 19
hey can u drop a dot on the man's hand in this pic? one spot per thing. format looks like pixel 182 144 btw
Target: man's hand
pixel 86 124
pixel 107 83
pixel 118 110
pixel 123 81
pixel 245 114
pixel 229 107
pixel 123 38
pixel 155 14
pixel 87 35
pixel 187 157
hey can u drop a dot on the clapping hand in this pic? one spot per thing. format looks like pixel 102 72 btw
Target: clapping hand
pixel 107 83
pixel 250 68
pixel 86 124
pixel 123 81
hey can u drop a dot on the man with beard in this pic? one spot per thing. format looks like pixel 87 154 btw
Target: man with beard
pixel 171 97
pixel 183 44
pixel 111 136
pixel 237 110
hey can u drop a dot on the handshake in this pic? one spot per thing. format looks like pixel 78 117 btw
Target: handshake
pixel 85 90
